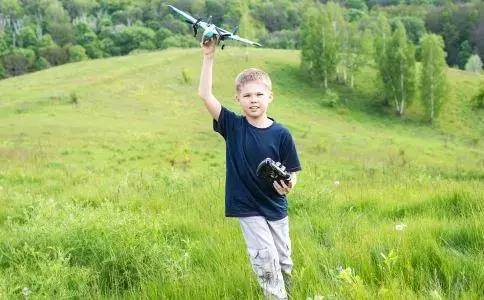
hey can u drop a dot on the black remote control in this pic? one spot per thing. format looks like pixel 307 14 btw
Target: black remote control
pixel 271 171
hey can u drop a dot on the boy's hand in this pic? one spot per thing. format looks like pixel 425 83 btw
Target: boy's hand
pixel 282 188
pixel 208 47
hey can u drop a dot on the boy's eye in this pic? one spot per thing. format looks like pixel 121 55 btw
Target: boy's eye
pixel 246 96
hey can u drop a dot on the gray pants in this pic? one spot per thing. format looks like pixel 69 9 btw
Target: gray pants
pixel 269 248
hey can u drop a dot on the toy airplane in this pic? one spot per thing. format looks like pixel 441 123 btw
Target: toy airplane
pixel 210 30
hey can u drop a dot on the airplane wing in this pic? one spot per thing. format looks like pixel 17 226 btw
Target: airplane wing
pixel 230 35
pixel 238 38
pixel 188 17
pixel 223 31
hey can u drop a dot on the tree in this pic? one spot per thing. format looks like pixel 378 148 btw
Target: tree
pixel 308 40
pixel 79 7
pixel 401 63
pixel 55 55
pixel 277 14
pixel 76 53
pixel 27 37
pixel 464 53
pixel 58 24
pixel 3 44
pixel 11 8
pixel 46 41
pixel 88 39
pixel 433 81
pixel 284 39
pixel 3 73
pixel 474 64
pixel 161 35
pixel 477 34
pixel 94 49
pixel 383 34
pixel 41 64
pixel 19 61
pixel 135 37
pixel 215 9
pixel 128 16
pixel 320 47
pixel 109 47
pixel 248 26
pixel 355 50
pixel 414 27
pixel 357 4
pixel 84 34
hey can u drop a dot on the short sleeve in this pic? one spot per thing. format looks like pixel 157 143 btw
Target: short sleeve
pixel 288 153
pixel 225 123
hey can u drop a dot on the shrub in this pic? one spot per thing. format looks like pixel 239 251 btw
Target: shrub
pixel 330 99
pixel 41 64
pixel 181 41
pixel 73 98
pixel 284 39
pixel 478 100
pixel 18 61
pixel 55 55
pixel 76 53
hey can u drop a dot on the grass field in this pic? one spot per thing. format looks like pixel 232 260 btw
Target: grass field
pixel 112 185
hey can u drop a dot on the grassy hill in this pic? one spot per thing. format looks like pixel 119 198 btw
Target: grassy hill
pixel 112 185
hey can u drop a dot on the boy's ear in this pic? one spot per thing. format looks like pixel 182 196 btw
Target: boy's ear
pixel 236 98
pixel 271 96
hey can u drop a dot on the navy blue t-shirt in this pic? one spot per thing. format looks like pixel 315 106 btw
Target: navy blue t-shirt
pixel 246 146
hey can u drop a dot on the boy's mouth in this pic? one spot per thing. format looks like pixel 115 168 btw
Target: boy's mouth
pixel 254 107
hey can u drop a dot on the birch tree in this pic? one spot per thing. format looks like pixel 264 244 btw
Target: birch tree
pixel 308 41
pixel 383 35
pixel 474 64
pixel 319 44
pixel 326 58
pixel 433 81
pixel 356 49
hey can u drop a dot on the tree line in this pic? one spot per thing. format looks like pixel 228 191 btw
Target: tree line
pixel 37 34
pixel 334 47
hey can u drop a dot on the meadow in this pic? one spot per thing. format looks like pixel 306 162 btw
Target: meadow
pixel 112 185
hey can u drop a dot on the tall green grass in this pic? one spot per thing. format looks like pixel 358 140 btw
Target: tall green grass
pixel 121 195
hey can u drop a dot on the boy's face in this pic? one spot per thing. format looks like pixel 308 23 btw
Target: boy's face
pixel 254 98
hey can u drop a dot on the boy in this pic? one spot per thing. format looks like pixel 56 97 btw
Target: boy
pixel 261 207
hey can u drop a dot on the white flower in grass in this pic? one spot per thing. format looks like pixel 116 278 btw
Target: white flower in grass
pixel 336 182
pixel 26 292
pixel 400 227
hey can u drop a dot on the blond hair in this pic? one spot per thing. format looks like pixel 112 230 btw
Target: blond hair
pixel 252 74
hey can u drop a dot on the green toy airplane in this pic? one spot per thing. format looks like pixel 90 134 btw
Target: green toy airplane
pixel 210 30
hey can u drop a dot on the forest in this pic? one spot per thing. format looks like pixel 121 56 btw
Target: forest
pixel 38 34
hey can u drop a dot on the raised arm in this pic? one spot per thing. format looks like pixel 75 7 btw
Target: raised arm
pixel 205 87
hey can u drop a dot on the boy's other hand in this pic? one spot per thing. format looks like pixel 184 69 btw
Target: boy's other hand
pixel 208 47
pixel 282 188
